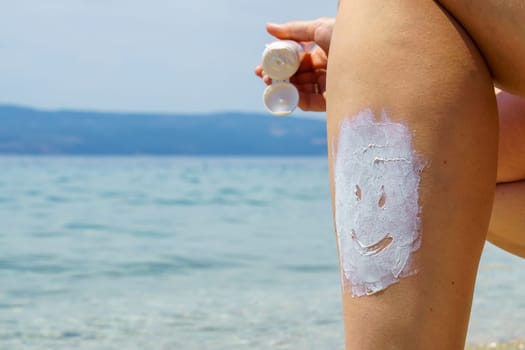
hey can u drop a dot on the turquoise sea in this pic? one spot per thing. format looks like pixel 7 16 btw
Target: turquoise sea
pixel 188 253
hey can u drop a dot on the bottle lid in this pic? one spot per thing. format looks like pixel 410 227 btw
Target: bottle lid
pixel 281 98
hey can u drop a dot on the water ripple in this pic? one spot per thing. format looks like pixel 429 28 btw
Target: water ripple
pixel 172 265
pixel 23 265
pixel 85 226
pixel 309 268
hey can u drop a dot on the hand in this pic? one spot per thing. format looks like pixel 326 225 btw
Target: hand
pixel 310 79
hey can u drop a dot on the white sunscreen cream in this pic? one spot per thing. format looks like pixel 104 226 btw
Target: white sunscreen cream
pixel 376 177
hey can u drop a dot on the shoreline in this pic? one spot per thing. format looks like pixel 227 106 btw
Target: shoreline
pixel 514 345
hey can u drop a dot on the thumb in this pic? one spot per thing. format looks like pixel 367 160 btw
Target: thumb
pixel 296 30
pixel 317 30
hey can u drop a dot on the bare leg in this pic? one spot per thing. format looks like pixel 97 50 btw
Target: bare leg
pixel 507 224
pixel 498 28
pixel 511 162
pixel 412 60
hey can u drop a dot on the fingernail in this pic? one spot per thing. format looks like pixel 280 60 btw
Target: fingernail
pixel 275 25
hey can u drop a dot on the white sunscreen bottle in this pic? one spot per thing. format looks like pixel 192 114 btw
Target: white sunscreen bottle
pixel 280 61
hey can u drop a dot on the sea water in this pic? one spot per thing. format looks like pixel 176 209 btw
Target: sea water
pixel 188 253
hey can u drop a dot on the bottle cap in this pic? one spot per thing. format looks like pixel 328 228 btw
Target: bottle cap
pixel 281 98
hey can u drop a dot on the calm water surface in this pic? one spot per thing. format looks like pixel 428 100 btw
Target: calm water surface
pixel 175 253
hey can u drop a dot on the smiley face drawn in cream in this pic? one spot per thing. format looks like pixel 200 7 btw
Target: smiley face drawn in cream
pixel 376 178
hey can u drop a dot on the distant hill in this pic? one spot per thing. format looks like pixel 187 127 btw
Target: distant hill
pixel 30 131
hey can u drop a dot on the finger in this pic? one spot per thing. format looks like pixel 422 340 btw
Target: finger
pixel 308 77
pixel 296 30
pixel 319 58
pixel 306 64
pixel 311 88
pixel 313 60
pixel 317 76
pixel 312 102
pixel 259 71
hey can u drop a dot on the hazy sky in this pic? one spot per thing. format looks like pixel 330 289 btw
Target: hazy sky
pixel 130 55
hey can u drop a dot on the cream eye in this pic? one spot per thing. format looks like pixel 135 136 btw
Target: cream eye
pixel 382 200
pixel 357 192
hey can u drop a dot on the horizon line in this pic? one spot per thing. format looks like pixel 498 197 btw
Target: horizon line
pixel 298 114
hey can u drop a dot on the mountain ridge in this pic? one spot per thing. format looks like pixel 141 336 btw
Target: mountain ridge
pixel 26 130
